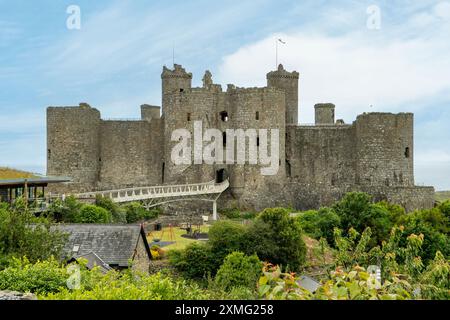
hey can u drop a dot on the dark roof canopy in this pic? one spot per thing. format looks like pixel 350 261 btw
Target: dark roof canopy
pixel 115 244
pixel 33 181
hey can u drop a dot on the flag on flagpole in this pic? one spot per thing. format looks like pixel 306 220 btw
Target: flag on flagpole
pixel 283 42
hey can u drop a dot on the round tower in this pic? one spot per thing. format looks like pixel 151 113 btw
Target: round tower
pixel 288 82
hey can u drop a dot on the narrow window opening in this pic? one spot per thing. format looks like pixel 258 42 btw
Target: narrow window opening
pixel 224 139
pixel 163 171
pixel 49 153
pixel 257 141
pixel 188 117
pixel 407 152
pixel 224 116
pixel 257 115
pixel 288 168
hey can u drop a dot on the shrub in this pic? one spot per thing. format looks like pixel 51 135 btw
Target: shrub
pixel 195 261
pixel 22 234
pixel 118 215
pixel 308 220
pixel 357 211
pixel 135 212
pixel 41 277
pixel 232 213
pixel 433 242
pixel 239 270
pixel 64 211
pixel 225 237
pixel 320 224
pixel 277 238
pixel 93 214
pixel 445 208
pixel 130 286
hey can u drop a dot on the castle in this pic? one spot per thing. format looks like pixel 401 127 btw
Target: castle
pixel 318 163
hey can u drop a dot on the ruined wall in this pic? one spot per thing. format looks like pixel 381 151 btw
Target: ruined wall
pixel 73 145
pixel 129 154
pixel 384 148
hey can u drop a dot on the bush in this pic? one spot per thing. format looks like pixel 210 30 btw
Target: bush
pixel 19 238
pixel 445 208
pixel 232 213
pixel 118 215
pixel 433 242
pixel 135 212
pixel 93 214
pixel 357 211
pixel 320 224
pixel 226 237
pixel 64 211
pixel 277 238
pixel 239 271
pixel 42 277
pixel 196 261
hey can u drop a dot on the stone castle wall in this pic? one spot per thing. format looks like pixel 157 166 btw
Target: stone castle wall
pixel 317 166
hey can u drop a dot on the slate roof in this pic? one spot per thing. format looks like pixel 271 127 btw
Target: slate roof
pixel 114 244
pixel 93 260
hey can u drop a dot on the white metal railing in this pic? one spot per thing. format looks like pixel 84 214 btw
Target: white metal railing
pixel 153 192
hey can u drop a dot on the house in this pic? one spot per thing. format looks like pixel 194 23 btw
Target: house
pixel 107 245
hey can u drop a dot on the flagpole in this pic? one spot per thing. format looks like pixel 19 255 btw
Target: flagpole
pixel 276 54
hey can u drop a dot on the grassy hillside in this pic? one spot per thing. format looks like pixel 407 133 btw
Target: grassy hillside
pixel 8 173
pixel 442 195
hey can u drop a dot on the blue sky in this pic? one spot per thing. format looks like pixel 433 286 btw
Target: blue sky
pixel 115 60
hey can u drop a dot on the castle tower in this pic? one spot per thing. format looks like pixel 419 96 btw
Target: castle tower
pixel 287 81
pixel 73 144
pixel 324 113
pixel 176 80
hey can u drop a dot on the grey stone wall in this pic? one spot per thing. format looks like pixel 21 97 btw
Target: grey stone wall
pixel 141 259
pixel 384 149
pixel 73 144
pixel 129 154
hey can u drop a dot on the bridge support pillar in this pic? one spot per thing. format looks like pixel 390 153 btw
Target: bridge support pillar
pixel 215 210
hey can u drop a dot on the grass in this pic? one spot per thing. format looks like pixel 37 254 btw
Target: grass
pixel 8 173
pixel 180 242
pixel 442 196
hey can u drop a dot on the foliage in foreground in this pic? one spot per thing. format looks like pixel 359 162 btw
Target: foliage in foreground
pixel 22 234
pixel 239 270
pixel 273 236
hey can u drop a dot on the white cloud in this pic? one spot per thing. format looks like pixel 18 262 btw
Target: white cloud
pixel 355 70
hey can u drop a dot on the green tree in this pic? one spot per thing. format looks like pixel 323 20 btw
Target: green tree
pixel 239 270
pixel 226 237
pixel 277 238
pixel 357 211
pixel 118 215
pixel 136 212
pixel 93 214
pixel 196 261
pixel 64 211
pixel 22 234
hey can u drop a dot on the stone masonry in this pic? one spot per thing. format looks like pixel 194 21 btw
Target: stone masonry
pixel 318 163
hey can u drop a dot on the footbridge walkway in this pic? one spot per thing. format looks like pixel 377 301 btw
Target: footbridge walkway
pixel 157 195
